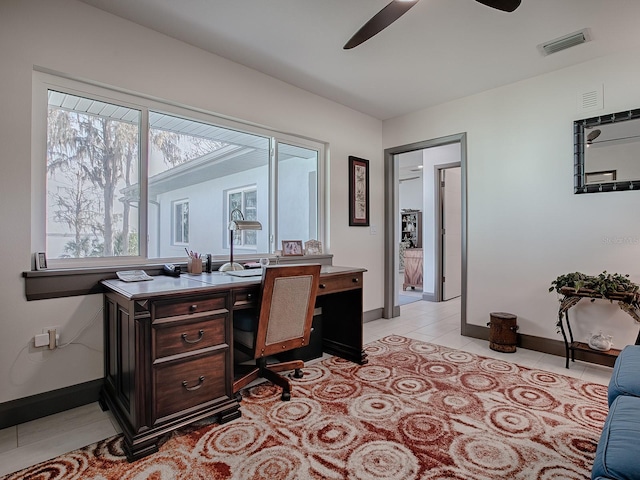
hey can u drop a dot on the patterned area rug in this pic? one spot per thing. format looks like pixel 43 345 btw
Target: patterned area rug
pixel 416 411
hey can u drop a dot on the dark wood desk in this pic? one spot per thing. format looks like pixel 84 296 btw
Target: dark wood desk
pixel 167 343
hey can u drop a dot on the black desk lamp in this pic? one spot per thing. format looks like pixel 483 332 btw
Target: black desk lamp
pixel 234 225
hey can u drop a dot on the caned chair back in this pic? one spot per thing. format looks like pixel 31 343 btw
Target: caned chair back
pixel 288 298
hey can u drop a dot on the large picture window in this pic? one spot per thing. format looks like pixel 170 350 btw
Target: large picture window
pixel 129 177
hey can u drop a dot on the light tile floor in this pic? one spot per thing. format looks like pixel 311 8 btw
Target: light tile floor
pixel 33 442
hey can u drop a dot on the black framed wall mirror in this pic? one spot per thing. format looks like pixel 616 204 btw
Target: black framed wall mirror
pixel 607 153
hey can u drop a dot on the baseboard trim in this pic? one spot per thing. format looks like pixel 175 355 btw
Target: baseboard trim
pixel 429 297
pixel 372 315
pixel 30 408
pixel 530 342
pixel 540 344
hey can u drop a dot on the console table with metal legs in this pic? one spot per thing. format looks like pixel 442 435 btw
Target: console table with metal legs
pixel 628 302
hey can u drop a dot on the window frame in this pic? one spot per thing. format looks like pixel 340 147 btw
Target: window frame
pixel 44 81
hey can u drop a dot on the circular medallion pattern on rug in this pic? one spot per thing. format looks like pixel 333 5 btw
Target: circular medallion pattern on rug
pixel 335 390
pixel 514 422
pixel 278 462
pixel 411 385
pixel 376 407
pixel 235 438
pixel 531 397
pixel 382 460
pixel 331 433
pixel 422 430
pixel 304 410
pixel 478 382
pixel 480 454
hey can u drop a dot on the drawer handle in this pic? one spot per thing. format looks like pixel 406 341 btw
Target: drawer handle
pixel 322 285
pixel 200 335
pixel 355 280
pixel 193 307
pixel 195 387
pixel 249 296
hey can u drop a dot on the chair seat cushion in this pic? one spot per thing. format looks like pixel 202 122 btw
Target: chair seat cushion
pixel 619 449
pixel 625 378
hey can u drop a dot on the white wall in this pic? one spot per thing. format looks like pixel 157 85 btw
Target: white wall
pixel 410 190
pixel 411 194
pixel 525 225
pixel 85 43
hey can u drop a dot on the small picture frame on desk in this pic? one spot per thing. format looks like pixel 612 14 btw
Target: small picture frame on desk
pixel 313 247
pixel 292 248
pixel 41 261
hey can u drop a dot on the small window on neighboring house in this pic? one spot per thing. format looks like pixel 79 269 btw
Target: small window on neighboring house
pixel 245 200
pixel 181 222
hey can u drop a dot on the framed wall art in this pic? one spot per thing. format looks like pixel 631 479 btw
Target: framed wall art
pixel 358 192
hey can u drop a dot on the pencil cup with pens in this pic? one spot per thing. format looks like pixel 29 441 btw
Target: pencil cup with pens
pixel 194 263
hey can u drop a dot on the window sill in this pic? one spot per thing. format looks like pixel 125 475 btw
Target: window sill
pixel 70 282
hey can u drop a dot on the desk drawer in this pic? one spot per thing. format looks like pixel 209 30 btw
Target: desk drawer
pixel 340 283
pixel 189 306
pixel 245 298
pixel 172 338
pixel 187 384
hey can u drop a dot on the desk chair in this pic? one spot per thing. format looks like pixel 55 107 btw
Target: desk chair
pixel 288 297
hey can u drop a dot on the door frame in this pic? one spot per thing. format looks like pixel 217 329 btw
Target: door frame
pixel 392 215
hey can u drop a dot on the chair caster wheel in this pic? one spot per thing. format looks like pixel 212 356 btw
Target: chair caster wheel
pixel 298 373
pixel 286 396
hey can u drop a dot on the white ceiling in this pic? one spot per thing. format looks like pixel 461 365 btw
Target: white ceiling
pixel 438 51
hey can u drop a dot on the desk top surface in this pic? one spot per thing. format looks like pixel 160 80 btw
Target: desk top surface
pixel 199 283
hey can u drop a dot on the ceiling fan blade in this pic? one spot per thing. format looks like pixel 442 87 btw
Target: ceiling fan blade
pixel 380 21
pixel 504 5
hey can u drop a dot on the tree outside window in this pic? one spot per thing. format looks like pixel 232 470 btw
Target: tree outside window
pixel 90 155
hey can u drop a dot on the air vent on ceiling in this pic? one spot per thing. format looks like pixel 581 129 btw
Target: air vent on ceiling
pixel 565 42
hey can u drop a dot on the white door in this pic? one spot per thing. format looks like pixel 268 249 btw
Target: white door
pixel 451 196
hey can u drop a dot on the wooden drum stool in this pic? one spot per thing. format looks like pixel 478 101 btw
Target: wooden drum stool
pixel 502 332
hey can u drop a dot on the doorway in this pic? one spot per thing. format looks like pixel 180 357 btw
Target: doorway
pixel 434 244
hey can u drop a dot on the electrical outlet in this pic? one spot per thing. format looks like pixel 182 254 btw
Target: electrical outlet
pixel 41 340
pixel 44 339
